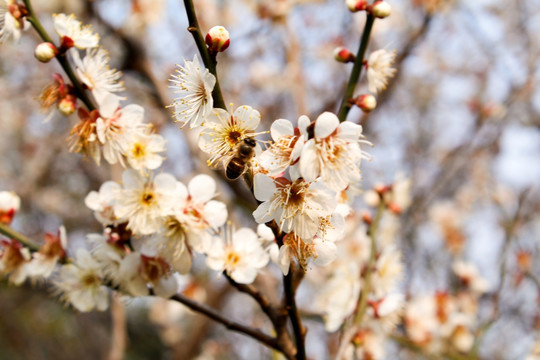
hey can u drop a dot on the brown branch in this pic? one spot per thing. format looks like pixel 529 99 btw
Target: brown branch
pixel 229 324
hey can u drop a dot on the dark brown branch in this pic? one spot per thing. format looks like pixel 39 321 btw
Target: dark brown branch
pixel 229 324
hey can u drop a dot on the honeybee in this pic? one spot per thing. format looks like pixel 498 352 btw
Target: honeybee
pixel 242 154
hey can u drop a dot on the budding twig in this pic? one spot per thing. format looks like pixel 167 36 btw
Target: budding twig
pixel 209 60
pixel 79 90
pixel 12 234
pixel 229 324
pixel 357 69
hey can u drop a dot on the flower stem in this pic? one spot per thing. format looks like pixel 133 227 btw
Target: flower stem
pixel 12 234
pixel 229 324
pixel 79 90
pixel 362 306
pixel 294 315
pixel 356 70
pixel 209 60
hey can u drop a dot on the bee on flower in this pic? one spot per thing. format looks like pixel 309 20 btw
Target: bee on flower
pixel 223 132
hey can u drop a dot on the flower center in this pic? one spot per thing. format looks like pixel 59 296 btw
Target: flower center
pixel 148 198
pixel 232 260
pixel 90 279
pixel 138 150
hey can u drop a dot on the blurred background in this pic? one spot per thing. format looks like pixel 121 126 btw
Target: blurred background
pixel 461 119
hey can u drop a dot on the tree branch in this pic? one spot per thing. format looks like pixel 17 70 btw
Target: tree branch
pixel 209 60
pixel 356 70
pixel 229 324
pixel 12 234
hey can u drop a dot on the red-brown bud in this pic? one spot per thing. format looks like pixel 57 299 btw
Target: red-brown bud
pixel 366 102
pixel 217 39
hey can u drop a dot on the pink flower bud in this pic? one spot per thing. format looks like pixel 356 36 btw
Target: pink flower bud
pixel 356 5
pixel 217 39
pixel 67 105
pixel 45 52
pixel 366 102
pixel 343 55
pixel 381 9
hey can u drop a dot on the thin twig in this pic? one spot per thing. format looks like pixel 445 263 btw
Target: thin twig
pixel 356 70
pixel 12 234
pixel 209 60
pixel 79 90
pixel 229 324
pixel 294 315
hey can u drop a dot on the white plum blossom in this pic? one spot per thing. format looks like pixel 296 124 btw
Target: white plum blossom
pixel 322 252
pixel 10 203
pixel 189 223
pixel 286 149
pixel 44 261
pixel 139 271
pixel 102 203
pixel 333 153
pixel 116 127
pixel 71 30
pixel 338 297
pixel 240 254
pixel 95 73
pixel 379 69
pixel 14 261
pixel 143 201
pixel 194 85
pixel 80 283
pixel 469 276
pixel 10 27
pixel 297 205
pixel 222 131
pixel 143 151
pixel 388 270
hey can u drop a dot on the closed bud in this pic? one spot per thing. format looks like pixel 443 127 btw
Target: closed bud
pixel 366 102
pixel 67 105
pixel 381 9
pixel 217 39
pixel 343 55
pixel 45 52
pixel 356 5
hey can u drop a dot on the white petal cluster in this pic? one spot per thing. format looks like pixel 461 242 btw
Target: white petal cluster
pixel 222 131
pixel 10 27
pixel 193 85
pixel 333 153
pixel 240 254
pixel 81 283
pixel 379 69
pixel 83 36
pixel 94 71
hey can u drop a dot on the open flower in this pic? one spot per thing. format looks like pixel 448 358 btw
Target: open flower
pixel 73 33
pixel 102 203
pixel 95 73
pixel 143 201
pixel 296 205
pixel 14 261
pixel 116 127
pixel 143 151
pixel 286 149
pixel 240 254
pixel 194 85
pixel 10 27
pixel 222 131
pixel 44 261
pixel 379 69
pixel 139 271
pixel 80 283
pixel 333 153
